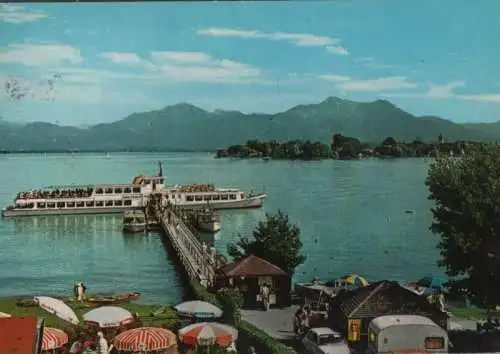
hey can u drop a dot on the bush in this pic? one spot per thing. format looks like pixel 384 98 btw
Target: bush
pixel 249 335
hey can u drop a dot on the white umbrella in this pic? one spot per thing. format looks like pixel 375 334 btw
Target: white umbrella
pixel 198 309
pixel 108 316
pixel 57 307
pixel 3 315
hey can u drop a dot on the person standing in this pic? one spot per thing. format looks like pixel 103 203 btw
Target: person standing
pixel 102 344
pixel 265 293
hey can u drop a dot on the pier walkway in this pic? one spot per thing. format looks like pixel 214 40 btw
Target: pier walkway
pixel 199 262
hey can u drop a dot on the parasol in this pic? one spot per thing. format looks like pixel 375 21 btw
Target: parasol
pixel 198 309
pixel 57 307
pixel 356 280
pixel 145 339
pixel 208 333
pixel 53 338
pixel 108 316
pixel 4 315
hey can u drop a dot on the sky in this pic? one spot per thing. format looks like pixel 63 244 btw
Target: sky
pixel 85 63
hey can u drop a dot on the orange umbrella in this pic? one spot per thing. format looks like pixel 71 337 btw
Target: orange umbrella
pixel 208 333
pixel 53 338
pixel 145 339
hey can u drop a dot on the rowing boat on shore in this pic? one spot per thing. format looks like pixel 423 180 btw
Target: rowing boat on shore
pixel 113 299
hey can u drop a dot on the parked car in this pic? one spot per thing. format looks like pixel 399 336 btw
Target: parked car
pixel 323 340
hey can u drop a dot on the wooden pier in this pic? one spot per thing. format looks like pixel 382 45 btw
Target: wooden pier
pixel 199 262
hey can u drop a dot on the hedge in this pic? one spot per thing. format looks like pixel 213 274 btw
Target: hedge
pixel 249 335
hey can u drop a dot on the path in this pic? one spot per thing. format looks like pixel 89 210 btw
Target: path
pixel 278 323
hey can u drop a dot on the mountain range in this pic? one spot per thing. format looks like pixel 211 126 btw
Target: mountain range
pixel 184 127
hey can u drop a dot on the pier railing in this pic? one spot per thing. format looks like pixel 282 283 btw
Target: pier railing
pixel 199 263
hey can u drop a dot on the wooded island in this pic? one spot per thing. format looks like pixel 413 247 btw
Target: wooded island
pixel 344 148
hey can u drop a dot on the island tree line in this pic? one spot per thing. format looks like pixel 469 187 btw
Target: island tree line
pixel 345 148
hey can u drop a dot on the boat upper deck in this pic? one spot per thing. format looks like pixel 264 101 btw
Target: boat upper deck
pixel 137 186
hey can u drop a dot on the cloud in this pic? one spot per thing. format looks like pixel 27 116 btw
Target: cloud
pixel 181 57
pixel 19 14
pixel 122 58
pixel 299 39
pixel 337 50
pixel 347 83
pixel 190 66
pixel 447 91
pixel 370 62
pixel 40 54
pixel 440 91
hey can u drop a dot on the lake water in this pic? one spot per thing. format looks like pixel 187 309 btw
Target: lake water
pixel 352 216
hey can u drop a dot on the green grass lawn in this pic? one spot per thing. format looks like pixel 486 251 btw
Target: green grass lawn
pixel 472 313
pixel 167 317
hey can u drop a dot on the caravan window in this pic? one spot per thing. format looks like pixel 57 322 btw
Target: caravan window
pixel 434 343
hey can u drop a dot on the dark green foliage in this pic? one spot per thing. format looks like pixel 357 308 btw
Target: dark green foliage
pixel 343 148
pixel 467 217
pixel 276 240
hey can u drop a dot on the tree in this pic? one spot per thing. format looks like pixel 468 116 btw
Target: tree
pixel 276 240
pixel 467 216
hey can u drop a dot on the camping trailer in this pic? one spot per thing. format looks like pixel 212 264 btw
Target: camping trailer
pixel 392 333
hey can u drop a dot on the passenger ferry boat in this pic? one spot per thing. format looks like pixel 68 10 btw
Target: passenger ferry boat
pixel 118 198
pixel 134 221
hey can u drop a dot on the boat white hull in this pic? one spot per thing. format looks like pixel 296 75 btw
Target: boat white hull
pixel 134 228
pixel 248 203
pixel 209 226
pixel 7 213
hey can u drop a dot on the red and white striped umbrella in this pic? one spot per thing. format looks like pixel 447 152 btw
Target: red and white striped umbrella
pixel 53 338
pixel 208 333
pixel 145 339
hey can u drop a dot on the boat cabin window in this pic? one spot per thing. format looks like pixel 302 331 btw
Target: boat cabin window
pixel 242 195
pixel 99 203
pixel 109 203
pixel 147 181
pixel 224 197
pixel 61 205
pixel 90 204
pixel 178 196
pixel 51 205
pixel 232 196
pixel 80 204
pixel 118 190
pixel 99 191
pixel 161 180
pixel 434 343
pixel 71 204
pixel 127 190
pixel 118 203
pixel 207 197
pixel 198 198
pixel 216 197
pixel 137 190
pixel 109 190
pixel 189 198
pixel 40 205
pixel 127 202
